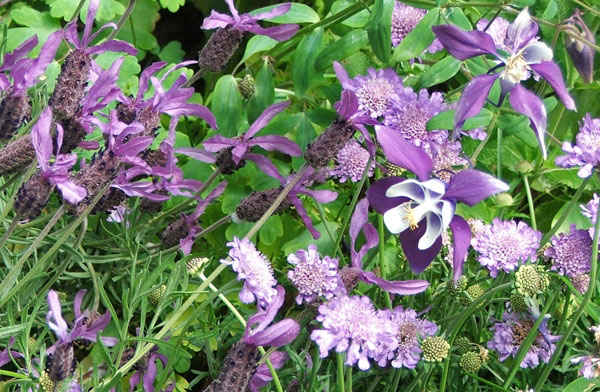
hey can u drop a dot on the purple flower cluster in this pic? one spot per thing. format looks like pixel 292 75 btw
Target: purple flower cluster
pixel 404 19
pixel 571 252
pixel 351 162
pixel 585 152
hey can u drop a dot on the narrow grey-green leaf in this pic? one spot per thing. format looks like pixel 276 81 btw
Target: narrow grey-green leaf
pixel 227 105
pixel 440 72
pixel 341 49
pixel 304 61
pixel 379 29
pixel 419 39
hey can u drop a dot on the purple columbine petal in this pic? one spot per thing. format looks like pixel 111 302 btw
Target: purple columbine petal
pixel 471 186
pixel 278 33
pixel 377 198
pixel 417 258
pixel 472 99
pixel 406 287
pixel 527 103
pixel 403 153
pixel 278 143
pixel 521 31
pixel 465 44
pixel 550 71
pixel 461 236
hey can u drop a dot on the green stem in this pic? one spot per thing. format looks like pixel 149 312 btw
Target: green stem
pixel 349 379
pixel 214 226
pixel 487 138
pixel 123 19
pixel 313 372
pixel 77 10
pixel 9 231
pixel 530 202
pixel 586 298
pixel 495 387
pixel 195 77
pixel 499 154
pixel 340 372
pixel 382 264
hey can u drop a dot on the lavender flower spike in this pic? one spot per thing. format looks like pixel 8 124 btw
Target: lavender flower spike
pixel 420 210
pixel 525 54
pixel 247 22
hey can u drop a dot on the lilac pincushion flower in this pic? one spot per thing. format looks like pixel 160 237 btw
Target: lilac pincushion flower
pixel 445 156
pixel 314 276
pixel 351 162
pixel 404 19
pixel 256 271
pixel 590 367
pixel 497 30
pixel 590 209
pixel 504 245
pixel 585 153
pixel 571 253
pixel 510 334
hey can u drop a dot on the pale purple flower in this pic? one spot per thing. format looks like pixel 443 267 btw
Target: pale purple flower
pixel 510 334
pixel 262 376
pixel 581 283
pixel 7 355
pixel 590 210
pixel 404 19
pixel 256 271
pixel 571 253
pixel 590 367
pixel 147 374
pixel 421 209
pixel 314 276
pixel 445 156
pixel 497 30
pixel 248 22
pixel 504 245
pixel 351 162
pixel 585 153
pixel 525 55
pixel 404 347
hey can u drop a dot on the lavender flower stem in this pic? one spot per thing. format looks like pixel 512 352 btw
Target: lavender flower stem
pixel 10 181
pixel 586 298
pixel 123 19
pixel 195 77
pixel 214 226
pixel 530 202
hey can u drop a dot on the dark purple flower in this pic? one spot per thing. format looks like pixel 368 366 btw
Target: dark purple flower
pixel 525 54
pixel 581 53
pixel 7 354
pixel 585 153
pixel 147 374
pixel 571 253
pixel 420 210
pixel 247 22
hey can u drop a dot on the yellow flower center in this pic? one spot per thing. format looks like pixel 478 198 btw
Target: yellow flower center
pixel 410 217
pixel 515 69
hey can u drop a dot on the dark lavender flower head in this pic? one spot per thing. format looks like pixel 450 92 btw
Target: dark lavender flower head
pixel 420 210
pixel 248 22
pixel 83 43
pixel 351 162
pixel 571 253
pixel 510 334
pixel 57 173
pixel 314 276
pixel 256 271
pixel 525 54
pixel 260 331
pixel 239 147
pixel 262 376
pixel 585 153
pixel 404 19
pixel 7 355
pixel 504 245
pixel 581 54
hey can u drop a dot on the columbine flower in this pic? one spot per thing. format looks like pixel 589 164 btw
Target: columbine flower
pixel 314 276
pixel 404 19
pixel 256 271
pixel 571 253
pixel 525 54
pixel 351 162
pixel 233 151
pixel 504 245
pixel 585 152
pixel 581 54
pixel 420 210
pixel 497 30
pixel 510 334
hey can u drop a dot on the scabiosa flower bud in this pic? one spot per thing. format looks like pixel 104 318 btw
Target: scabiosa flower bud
pixel 314 276
pixel 581 54
pixel 435 349
pixel 571 253
pixel 581 283
pixel 215 55
pixel 195 265
pixel 156 295
pixel 71 83
pixel 524 167
pixel 470 362
pixel 445 155
pixel 16 155
pixel 254 206
pixel 329 143
pixel 528 280
pixel 517 302
pixel 247 87
pixel 463 344
pixel 46 383
pixel 503 200
pixel 394 170
pixel 33 196
pixel 560 308
pixel 238 368
pixel 504 245
pixel 14 110
pixel 472 293
pixel 31 343
pixel 455 288
pixel 351 162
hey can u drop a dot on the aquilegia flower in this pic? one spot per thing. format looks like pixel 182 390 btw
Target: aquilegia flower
pixel 571 253
pixel 504 245
pixel 420 210
pixel 581 53
pixel 585 153
pixel 525 54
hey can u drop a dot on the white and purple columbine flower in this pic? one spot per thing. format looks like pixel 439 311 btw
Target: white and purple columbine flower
pixel 256 271
pixel 504 245
pixel 525 54
pixel 571 253
pixel 351 162
pixel 510 334
pixel 404 19
pixel 420 210
pixel 248 22
pixel 585 153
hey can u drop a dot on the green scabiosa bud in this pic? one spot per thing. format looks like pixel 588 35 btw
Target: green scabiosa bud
pixel 503 200
pixel 155 295
pixel 470 362
pixel 528 280
pixel 195 265
pixel 558 312
pixel 435 349
pixel 31 342
pixel 463 344
pixel 524 167
pixel 246 86
pixel 46 383
pixel 394 170
pixel 473 292
pixel 517 302
pixel 454 289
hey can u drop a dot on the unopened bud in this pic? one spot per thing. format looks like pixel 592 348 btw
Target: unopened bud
pixel 524 167
pixel 517 302
pixel 503 200
pixel 14 110
pixel 33 196
pixel 329 143
pixel 581 53
pixel 220 47
pixel 195 265
pixel 435 349
pixel 16 155
pixel 156 295
pixel 470 362
pixel 246 86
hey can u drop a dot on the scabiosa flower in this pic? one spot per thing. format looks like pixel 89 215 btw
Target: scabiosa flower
pixel 525 55
pixel 581 283
pixel 404 19
pixel 589 210
pixel 256 271
pixel 504 245
pixel 571 253
pixel 510 334
pixel 590 367
pixel 314 276
pixel 351 162
pixel 497 30
pixel 585 152
pixel 445 156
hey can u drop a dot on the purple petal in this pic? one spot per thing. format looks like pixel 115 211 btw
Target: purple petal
pixel 40 64
pixel 527 103
pixel 522 30
pixel 304 216
pixel 278 33
pixel 377 198
pixel 193 109
pixel 465 44
pixel 218 142
pixel 102 86
pixel 89 145
pixel 41 139
pixel 89 21
pixel 72 35
pixel 54 317
pixel 265 165
pixel 134 147
pixel 77 303
pixel 403 153
pixel 348 105
pixel 342 75
pixel 276 11
pixel 145 75
pixel 196 153
pixel 21 51
pixel 202 204
pixel 461 236
pixel 472 99
pixel 550 71
pixel 321 195
pixel 113 46
pixel 407 287
pixel 277 335
pixel 418 259
pixel 278 143
pixel 149 375
pixel 471 186
pixel 135 380
pixel 71 192
pixel 217 20
pixel 265 117
pixel 263 376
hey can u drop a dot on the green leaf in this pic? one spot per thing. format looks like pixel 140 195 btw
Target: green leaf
pixel 302 241
pixel 379 29
pixel 172 52
pixel 306 133
pixel 440 72
pixel 457 17
pixel 107 9
pixel 271 230
pixel 36 22
pixel 298 13
pixel 62 8
pixel 356 21
pixel 128 81
pixel 258 44
pixel 304 61
pixel 582 384
pixel 445 120
pixel 340 49
pixel 172 5
pixel 227 105
pixel 418 39
pixel 138 30
pixel 264 95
